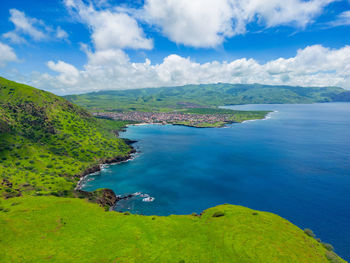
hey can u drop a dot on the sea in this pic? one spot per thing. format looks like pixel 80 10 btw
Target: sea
pixel 295 163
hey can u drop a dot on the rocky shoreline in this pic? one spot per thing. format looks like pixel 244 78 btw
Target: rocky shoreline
pixel 104 197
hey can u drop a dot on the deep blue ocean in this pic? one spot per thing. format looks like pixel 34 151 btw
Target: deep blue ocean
pixel 295 164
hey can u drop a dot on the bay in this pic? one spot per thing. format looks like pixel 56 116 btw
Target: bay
pixel 295 164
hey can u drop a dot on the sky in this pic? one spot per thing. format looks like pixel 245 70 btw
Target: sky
pixel 78 46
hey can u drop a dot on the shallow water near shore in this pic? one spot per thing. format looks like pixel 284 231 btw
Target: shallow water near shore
pixel 295 164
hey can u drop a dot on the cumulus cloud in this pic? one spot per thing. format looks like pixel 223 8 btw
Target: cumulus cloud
pixel 206 23
pixel 110 29
pixel 6 54
pixel 112 69
pixel 68 73
pixel 31 27
pixel 199 23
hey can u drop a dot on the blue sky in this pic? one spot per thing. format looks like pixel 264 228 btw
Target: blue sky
pixel 74 46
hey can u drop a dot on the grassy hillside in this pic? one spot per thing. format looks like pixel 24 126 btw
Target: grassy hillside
pixel 46 142
pixel 203 95
pixel 51 229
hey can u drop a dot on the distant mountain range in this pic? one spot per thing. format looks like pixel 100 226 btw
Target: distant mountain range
pixel 206 95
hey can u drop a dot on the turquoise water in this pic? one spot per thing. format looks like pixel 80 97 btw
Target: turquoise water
pixel 295 164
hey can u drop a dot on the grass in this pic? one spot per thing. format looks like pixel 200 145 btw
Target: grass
pixel 50 229
pixel 46 142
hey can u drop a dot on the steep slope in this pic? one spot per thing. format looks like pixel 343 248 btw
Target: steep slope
pixel 46 142
pixel 73 230
pixel 203 95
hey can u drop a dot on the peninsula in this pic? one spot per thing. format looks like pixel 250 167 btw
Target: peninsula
pixel 199 117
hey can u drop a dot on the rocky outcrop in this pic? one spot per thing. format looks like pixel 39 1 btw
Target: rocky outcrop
pixel 129 142
pixel 104 197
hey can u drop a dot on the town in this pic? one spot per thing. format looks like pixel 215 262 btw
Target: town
pixel 195 120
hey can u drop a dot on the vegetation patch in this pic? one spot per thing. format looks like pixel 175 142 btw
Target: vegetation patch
pixel 218 214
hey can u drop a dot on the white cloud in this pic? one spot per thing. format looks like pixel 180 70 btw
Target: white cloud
pixel 68 73
pixel 6 54
pixel 342 19
pixel 60 33
pixel 110 29
pixel 199 23
pixel 31 27
pixel 111 69
pixel 206 23
pixel 14 37
pixel 196 23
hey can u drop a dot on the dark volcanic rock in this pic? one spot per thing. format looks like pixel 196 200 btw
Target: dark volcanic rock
pixel 129 142
pixel 104 197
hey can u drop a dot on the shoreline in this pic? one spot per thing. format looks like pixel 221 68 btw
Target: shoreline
pixel 268 116
pixel 97 168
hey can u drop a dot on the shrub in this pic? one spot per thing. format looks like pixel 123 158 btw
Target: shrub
pixel 309 232
pixel 49 166
pixel 106 207
pixel 254 213
pixel 332 257
pixel 218 214
pixel 327 246
pixel 127 213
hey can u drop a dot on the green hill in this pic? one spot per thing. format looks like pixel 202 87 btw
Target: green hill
pixel 203 95
pixel 46 142
pixel 51 229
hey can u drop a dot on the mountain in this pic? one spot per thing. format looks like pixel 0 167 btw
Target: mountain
pixel 46 142
pixel 207 95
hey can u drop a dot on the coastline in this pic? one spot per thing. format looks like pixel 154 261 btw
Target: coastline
pixel 97 168
pixel 268 116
